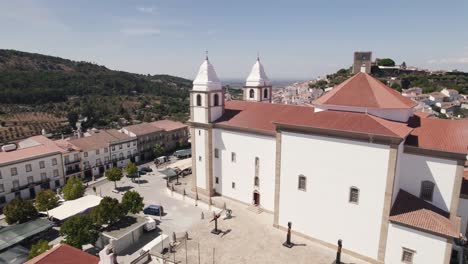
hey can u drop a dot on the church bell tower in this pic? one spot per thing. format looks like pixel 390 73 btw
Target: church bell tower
pixel 206 106
pixel 257 86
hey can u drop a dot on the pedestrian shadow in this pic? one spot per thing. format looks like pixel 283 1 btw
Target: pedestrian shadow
pixel 301 245
pixel 124 188
pixel 226 232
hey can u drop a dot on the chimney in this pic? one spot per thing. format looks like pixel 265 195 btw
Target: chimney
pixel 363 68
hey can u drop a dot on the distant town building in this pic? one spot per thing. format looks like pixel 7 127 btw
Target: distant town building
pixel 362 58
pixel 104 149
pixel 166 133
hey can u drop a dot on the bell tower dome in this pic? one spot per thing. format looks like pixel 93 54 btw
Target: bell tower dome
pixel 207 95
pixel 257 86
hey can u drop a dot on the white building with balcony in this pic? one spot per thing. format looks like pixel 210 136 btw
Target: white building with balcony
pixel 35 164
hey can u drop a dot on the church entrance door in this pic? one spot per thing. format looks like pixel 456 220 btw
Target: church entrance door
pixel 256 198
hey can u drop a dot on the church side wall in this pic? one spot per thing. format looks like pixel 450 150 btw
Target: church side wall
pixel 427 248
pixel 201 156
pixel 242 172
pixel 332 166
pixel 401 115
pixel 417 168
pixel 463 213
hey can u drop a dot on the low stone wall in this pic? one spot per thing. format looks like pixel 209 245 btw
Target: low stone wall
pixel 204 203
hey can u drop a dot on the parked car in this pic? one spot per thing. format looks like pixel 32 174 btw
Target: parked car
pixel 146 169
pixel 141 172
pixel 154 210
pixel 133 175
pixel 183 153
pixel 161 160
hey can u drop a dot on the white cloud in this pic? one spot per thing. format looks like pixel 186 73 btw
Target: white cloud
pixel 140 31
pixel 147 10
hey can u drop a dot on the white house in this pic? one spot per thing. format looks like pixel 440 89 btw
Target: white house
pixel 358 166
pixel 104 149
pixel 35 164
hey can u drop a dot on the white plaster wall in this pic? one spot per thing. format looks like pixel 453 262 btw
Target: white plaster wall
pixel 200 167
pixel 332 166
pixel 22 176
pixel 199 115
pixel 396 183
pixel 247 94
pixel 199 112
pixel 242 172
pixel 463 213
pixel 216 112
pixel 414 169
pixel 401 115
pixel 429 248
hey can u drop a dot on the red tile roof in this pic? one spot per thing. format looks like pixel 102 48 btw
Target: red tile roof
pixel 363 90
pixel 98 139
pixel 37 146
pixel 262 116
pixel 64 254
pixel 440 134
pixel 412 211
pixel 143 129
pixel 351 122
pixel 168 125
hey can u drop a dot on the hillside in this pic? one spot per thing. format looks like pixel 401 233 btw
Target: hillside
pixel 66 89
pixel 27 78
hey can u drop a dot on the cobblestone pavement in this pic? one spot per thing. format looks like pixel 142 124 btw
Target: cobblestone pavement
pixel 249 237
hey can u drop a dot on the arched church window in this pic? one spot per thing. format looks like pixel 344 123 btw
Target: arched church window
pixel 216 100
pixel 354 195
pixel 251 93
pixel 302 183
pixel 265 93
pixel 256 181
pixel 198 100
pixel 427 190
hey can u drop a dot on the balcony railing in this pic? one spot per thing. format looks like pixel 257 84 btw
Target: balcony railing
pixel 67 162
pixel 72 171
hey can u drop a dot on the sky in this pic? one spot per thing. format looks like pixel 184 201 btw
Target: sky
pixel 296 39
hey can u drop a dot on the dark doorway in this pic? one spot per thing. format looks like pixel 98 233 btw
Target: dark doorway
pixel 256 198
pixel 32 193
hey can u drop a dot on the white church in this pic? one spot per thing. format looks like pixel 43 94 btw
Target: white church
pixel 361 165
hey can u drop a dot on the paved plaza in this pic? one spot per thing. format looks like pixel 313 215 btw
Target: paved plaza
pixel 247 237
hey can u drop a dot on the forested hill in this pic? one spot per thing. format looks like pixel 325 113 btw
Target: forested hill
pixel 28 78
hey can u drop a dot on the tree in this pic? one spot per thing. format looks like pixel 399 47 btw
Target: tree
pixel 40 247
pixel 46 200
pixel 108 211
pixel 79 230
pixel 19 210
pixel 132 202
pixel 72 119
pixel 131 170
pixel 158 150
pixel 114 174
pixel 385 62
pixel 74 189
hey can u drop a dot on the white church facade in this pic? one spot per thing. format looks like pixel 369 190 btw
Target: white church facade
pixel 361 165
